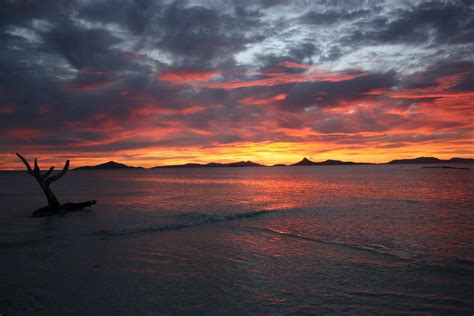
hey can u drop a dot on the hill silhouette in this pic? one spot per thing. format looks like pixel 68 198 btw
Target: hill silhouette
pixel 107 166
pixel 306 162
pixel 112 165
pixel 423 160
pixel 214 165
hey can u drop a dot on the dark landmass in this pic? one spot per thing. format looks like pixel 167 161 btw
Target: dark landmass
pixel 461 160
pixel 446 167
pixel 244 164
pixel 107 166
pixel 306 162
pixel 423 160
pixel 112 165
pixel 214 165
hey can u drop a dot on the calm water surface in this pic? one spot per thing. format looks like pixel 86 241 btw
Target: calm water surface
pixel 333 239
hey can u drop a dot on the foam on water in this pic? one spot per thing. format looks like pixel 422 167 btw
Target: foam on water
pixel 192 221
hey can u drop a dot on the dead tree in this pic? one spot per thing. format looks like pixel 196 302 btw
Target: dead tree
pixel 45 180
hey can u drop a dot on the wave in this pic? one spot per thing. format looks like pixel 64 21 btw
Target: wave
pixel 378 249
pixel 415 296
pixel 459 266
pixel 195 220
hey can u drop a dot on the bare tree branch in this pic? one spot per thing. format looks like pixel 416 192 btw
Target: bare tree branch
pixel 59 174
pixel 48 173
pixel 53 207
pixel 37 171
pixel 27 165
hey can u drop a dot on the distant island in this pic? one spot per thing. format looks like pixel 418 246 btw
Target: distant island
pixel 107 166
pixel 421 160
pixel 112 165
pixel 214 165
pixel 306 162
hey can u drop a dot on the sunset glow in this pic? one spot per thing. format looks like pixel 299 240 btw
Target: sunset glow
pixel 204 82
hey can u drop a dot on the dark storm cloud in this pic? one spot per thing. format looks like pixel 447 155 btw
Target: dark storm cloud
pixel 428 77
pixel 85 48
pixel 332 16
pixel 136 15
pixel 303 51
pixel 103 74
pixel 22 12
pixel 301 96
pixel 202 35
pixel 451 22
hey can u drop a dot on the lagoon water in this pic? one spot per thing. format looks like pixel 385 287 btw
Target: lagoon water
pixel 317 239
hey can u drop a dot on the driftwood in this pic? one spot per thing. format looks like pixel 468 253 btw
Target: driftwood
pixel 45 180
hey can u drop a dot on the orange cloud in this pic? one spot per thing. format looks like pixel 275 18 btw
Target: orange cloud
pixel 185 76
pixel 263 101
pixel 313 74
pixel 279 78
pixel 441 90
pixel 376 126
pixel 151 109
pixel 290 64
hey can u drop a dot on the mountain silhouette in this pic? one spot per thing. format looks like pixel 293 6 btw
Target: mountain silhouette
pixel 112 165
pixel 107 166
pixel 306 162
pixel 423 160
pixel 244 164
pixel 214 165
pixel 461 160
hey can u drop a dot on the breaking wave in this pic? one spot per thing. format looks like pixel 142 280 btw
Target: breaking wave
pixel 193 221
pixel 378 249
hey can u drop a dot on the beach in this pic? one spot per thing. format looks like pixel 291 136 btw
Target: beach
pixel 316 239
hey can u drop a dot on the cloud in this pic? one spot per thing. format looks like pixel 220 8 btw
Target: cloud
pixel 332 16
pixel 439 21
pixel 136 78
pixel 186 76
pixel 277 78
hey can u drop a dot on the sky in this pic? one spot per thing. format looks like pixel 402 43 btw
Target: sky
pixel 152 83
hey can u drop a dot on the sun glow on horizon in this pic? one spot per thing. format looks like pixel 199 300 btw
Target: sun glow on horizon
pixel 264 153
pixel 235 82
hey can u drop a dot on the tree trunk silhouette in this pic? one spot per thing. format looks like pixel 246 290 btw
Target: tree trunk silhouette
pixel 45 180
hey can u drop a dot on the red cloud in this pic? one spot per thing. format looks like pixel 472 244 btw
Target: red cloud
pixel 378 125
pixel 441 90
pixel 24 133
pixel 312 74
pixel 184 76
pixel 290 64
pixel 279 78
pixel 263 101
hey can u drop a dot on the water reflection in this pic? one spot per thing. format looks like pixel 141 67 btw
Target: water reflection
pixel 365 237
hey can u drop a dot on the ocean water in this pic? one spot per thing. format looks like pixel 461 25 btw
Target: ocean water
pixel 323 240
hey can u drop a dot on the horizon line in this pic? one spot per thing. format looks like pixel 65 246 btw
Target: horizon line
pixel 261 164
